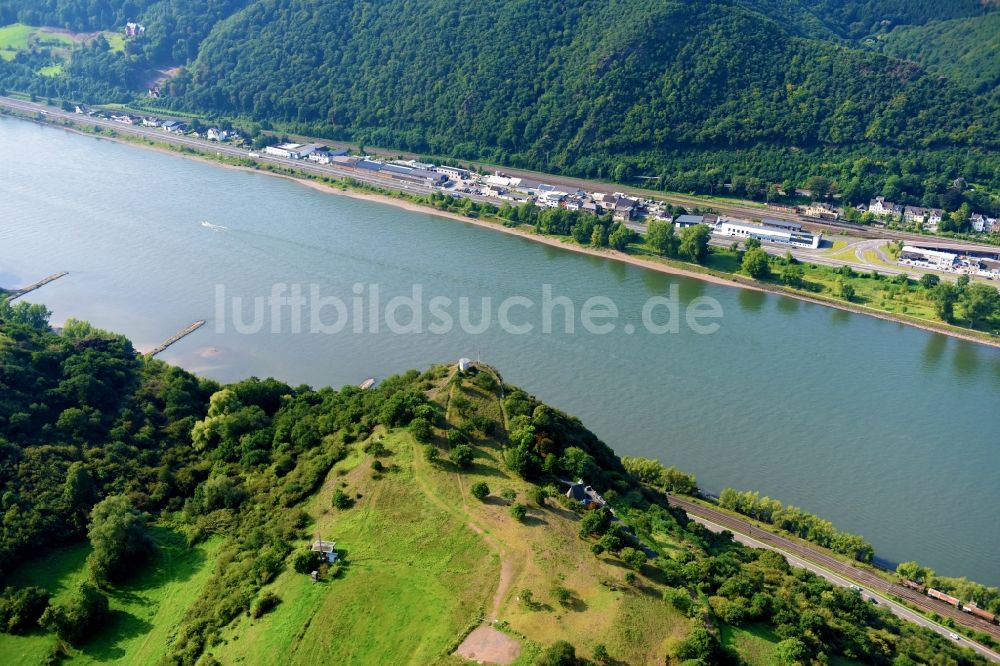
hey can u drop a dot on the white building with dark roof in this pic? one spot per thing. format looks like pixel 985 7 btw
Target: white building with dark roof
pixel 786 236
pixel 879 207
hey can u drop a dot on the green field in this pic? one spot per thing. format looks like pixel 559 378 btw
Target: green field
pixel 756 643
pixel 144 610
pixel 406 593
pixel 19 37
pixel 51 70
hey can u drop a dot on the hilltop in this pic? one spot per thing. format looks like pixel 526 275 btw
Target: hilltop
pixel 442 490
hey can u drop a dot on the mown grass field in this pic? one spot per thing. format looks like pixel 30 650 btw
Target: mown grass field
pixel 144 610
pixel 18 37
pixel 416 576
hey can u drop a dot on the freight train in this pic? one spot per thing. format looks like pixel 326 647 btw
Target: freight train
pixel 970 608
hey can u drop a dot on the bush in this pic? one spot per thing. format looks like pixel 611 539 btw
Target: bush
pixel 265 603
pixel 559 653
pixel 21 608
pixel 421 429
pixel 480 490
pixel 519 511
pixel 432 455
pixel 305 561
pixel 678 597
pixel 633 558
pixel 508 494
pixel 593 522
pixel 562 595
pixel 462 455
pixel 377 465
pixel 119 538
pixel 341 500
pixel 76 619
pixel 457 438
pixel 539 494
pixel 701 644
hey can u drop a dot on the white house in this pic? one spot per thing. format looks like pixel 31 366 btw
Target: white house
pixel 879 207
pixel 934 217
pixel 216 134
pixel 981 223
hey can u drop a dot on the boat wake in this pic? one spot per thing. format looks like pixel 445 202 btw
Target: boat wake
pixel 214 227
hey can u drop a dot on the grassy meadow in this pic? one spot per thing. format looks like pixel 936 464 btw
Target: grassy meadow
pixel 144 609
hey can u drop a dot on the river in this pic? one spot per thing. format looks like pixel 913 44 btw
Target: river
pixel 888 431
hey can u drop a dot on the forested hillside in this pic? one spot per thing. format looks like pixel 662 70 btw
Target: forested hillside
pixel 857 18
pixel 153 517
pixel 685 95
pixel 964 50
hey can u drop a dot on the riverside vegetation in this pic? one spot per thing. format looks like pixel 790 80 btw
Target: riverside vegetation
pixel 153 516
pixel 727 96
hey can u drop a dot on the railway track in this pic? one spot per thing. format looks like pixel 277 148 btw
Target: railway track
pixel 866 578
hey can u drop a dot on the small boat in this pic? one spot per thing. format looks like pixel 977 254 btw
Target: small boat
pixel 213 227
pixel 368 383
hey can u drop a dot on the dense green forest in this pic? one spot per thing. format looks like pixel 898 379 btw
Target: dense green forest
pixel 683 95
pixel 98 441
pixel 964 50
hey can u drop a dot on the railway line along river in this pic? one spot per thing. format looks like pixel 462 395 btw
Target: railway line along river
pixel 888 431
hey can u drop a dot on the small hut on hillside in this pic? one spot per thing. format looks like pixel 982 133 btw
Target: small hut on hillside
pixel 328 549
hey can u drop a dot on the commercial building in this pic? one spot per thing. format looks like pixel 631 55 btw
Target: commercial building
pixel 292 151
pixel 918 256
pixel 453 172
pixel 795 237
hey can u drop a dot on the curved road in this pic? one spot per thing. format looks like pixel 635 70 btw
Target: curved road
pixel 844 574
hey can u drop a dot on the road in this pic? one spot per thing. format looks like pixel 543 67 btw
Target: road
pixel 841 573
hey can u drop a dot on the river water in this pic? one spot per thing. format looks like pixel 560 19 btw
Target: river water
pixel 888 431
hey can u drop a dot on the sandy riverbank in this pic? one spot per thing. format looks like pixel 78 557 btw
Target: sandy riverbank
pixel 641 262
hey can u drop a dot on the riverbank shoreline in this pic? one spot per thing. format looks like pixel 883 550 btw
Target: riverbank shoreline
pixel 730 280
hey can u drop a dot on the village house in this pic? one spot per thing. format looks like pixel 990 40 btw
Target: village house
pixel 216 134
pixel 981 223
pixel 823 211
pixel 585 495
pixel 934 218
pixel 324 155
pixel 915 214
pixel 625 209
pixel 174 127
pixel 685 221
pixel 879 207
pixel 133 29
